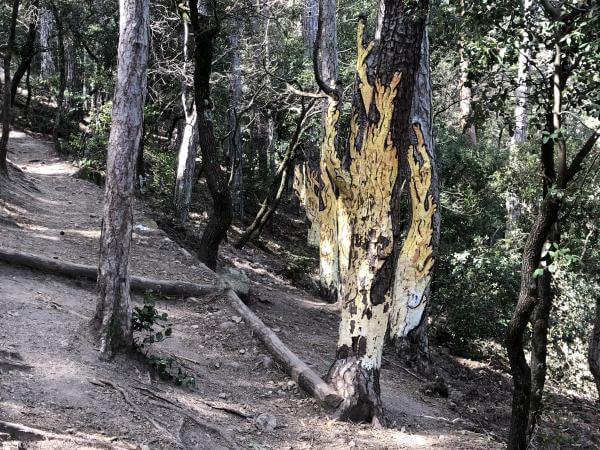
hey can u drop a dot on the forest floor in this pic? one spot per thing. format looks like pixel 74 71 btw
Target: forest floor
pixel 51 377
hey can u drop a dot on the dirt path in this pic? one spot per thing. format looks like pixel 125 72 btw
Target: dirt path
pixel 50 372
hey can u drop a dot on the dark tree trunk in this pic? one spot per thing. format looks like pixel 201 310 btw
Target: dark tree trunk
pixel 219 222
pixel 62 78
pixel 27 53
pixel 113 310
pixel 235 133
pixel 6 104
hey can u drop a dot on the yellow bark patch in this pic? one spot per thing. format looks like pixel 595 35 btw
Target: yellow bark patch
pixel 367 206
pixel 306 186
pixel 415 262
pixel 328 233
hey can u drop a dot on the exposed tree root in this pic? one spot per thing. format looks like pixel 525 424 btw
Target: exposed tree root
pixel 297 369
pixel 72 270
pixel 20 431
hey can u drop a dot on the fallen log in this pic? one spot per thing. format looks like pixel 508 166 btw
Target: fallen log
pixel 297 369
pixel 23 432
pixel 72 270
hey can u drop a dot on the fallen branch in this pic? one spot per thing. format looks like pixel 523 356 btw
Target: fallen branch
pixel 20 431
pixel 297 369
pixel 72 270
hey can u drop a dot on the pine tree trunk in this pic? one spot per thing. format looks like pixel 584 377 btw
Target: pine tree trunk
pixel 47 63
pixel 113 311
pixel 368 192
pixel 218 224
pixel 6 103
pixel 310 12
pixel 414 267
pixel 188 143
pixel 235 133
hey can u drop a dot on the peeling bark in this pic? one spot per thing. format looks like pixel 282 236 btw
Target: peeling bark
pixel 113 310
pixel 379 131
pixel 306 188
pixel 414 267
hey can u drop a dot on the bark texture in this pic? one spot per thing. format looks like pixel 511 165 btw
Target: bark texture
pixel 367 193
pixel 47 67
pixel 216 180
pixel 113 312
pixel 6 103
pixel 325 62
pixel 306 188
pixel 414 267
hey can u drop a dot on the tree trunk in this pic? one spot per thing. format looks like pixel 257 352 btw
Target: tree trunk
pixel 113 312
pixel 326 74
pixel 414 267
pixel 594 350
pixel 310 12
pixel 62 78
pixel 47 63
pixel 6 103
pixel 465 100
pixel 235 131
pixel 219 222
pixel 539 337
pixel 306 188
pixel 27 53
pixel 188 144
pixel 513 204
pixel 368 192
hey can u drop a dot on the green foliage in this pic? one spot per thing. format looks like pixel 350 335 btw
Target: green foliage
pixel 164 368
pixel 155 326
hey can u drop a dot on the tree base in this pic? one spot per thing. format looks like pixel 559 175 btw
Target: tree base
pixel 359 389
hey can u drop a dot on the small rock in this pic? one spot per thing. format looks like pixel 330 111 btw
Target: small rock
pixel 236 319
pixel 226 326
pixel 223 395
pixel 195 327
pixel 276 329
pixel 230 278
pixel 265 422
pixel 242 351
pixel 351 444
pixel 265 361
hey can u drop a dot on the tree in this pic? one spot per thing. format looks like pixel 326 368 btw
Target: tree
pixel 368 193
pixel 186 156
pixel 326 74
pixel 27 51
pixel 466 97
pixel 594 350
pixel 62 77
pixel 6 103
pixel 235 132
pixel 113 311
pixel 414 267
pixel 219 222
pixel 535 295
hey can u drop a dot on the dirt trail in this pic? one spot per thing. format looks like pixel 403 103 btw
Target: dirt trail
pixel 49 368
